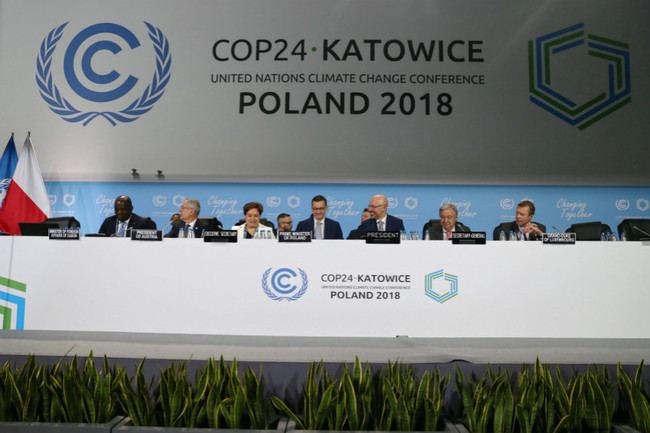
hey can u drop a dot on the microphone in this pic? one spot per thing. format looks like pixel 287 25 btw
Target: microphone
pixel 168 224
pixel 558 230
pixel 640 231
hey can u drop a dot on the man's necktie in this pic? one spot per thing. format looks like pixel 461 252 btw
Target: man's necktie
pixel 319 230
pixel 380 226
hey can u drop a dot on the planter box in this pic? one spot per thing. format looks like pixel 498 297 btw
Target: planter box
pixel 42 427
pixel 616 428
pixel 449 428
pixel 125 426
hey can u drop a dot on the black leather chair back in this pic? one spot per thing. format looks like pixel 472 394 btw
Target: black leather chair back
pixel 589 231
pixel 634 228
pixel 63 222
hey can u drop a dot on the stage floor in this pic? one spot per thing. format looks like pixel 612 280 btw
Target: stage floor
pixel 308 349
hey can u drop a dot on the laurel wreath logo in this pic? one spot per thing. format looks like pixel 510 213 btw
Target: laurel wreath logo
pixel 61 106
pixel 275 297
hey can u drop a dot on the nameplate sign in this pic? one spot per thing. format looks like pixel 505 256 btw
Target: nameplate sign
pixel 146 235
pixel 294 236
pixel 468 238
pixel 220 236
pixel 64 234
pixel 559 238
pixel 383 237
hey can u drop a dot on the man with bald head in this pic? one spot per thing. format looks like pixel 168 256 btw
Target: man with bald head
pixel 120 224
pixel 379 219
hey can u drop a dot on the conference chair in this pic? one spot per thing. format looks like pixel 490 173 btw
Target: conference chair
pixel 427 226
pixel 213 223
pixel 589 231
pixel 64 222
pixel 634 228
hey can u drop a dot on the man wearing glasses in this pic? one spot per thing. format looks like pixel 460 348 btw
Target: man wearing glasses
pixel 379 218
pixel 317 224
pixel 190 226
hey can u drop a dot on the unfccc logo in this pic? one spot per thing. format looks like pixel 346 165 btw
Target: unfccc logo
pixel 440 286
pixel 544 55
pixel 85 61
pixel 284 284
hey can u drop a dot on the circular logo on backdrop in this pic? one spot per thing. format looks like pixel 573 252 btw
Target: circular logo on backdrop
pixel 622 204
pixel 273 201
pixel 159 200
pixel 293 201
pixel 100 90
pixel 52 199
pixel 284 283
pixel 507 203
pixel 392 202
pixel 642 204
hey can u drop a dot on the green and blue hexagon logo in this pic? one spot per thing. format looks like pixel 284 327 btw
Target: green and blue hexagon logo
pixel 552 60
pixel 440 286
pixel 12 304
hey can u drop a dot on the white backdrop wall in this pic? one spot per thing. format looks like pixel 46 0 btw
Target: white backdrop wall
pixel 191 117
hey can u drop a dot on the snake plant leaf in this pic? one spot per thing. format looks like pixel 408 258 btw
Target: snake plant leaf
pixel 282 407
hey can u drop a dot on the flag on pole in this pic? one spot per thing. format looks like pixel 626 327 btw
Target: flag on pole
pixel 7 166
pixel 26 199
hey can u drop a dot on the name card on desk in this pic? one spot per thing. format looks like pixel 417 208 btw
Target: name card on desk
pixel 64 234
pixel 294 236
pixel 220 236
pixel 559 238
pixel 146 235
pixel 383 237
pixel 468 238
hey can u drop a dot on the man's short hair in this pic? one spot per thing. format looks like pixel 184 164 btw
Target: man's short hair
pixel 319 198
pixel 283 215
pixel 193 203
pixel 529 204
pixel 449 206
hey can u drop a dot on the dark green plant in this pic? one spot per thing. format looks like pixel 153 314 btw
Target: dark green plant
pixel 535 400
pixel 635 398
pixel 318 397
pixel 137 403
pixel 20 392
pixel 488 404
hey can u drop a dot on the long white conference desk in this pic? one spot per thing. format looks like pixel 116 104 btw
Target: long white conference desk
pixel 327 288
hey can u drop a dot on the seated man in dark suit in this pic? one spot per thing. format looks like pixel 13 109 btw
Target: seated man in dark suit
pixel 380 220
pixel 120 224
pixel 189 226
pixel 448 224
pixel 354 234
pixel 284 223
pixel 523 226
pixel 317 224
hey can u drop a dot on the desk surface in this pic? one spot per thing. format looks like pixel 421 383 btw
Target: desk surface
pixel 329 288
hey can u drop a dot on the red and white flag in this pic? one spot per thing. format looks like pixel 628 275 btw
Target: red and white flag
pixel 26 199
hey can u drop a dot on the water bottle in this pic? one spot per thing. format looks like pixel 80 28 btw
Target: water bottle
pixel 623 237
pixel 181 232
pixel 402 235
pixel 427 236
pixel 257 234
pixel 513 236
pixel 502 236
pixel 602 236
pixel 613 237
pixel 416 236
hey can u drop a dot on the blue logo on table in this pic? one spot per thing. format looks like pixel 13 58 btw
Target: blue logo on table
pixel 284 283
pixel 12 304
pixel 440 286
pixel 95 88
